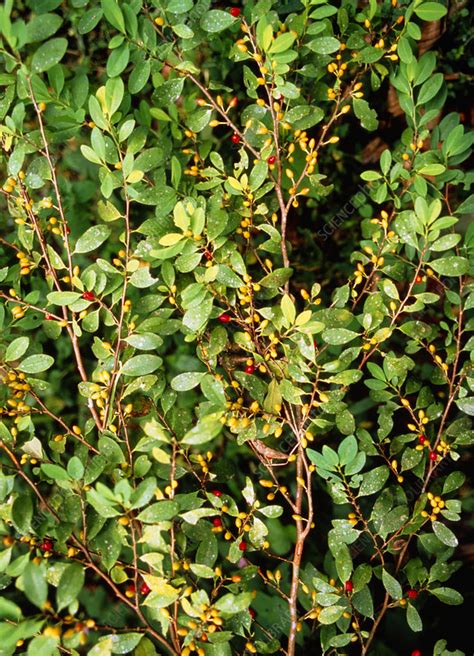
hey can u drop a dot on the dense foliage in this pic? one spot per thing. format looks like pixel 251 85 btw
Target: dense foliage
pixel 236 374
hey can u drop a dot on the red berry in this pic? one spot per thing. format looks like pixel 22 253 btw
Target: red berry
pixel 68 230
pixel 235 12
pixel 251 613
pixel 421 439
pixel 419 279
pixel 412 594
pixel 249 369
pixel 433 455
pixel 46 545
pixel 233 102
pixel 272 159
pixel 348 586
pixel 217 493
pixel 416 652
pixel 48 317
pixel 217 521
pixel 88 296
pixel 235 138
pixel 145 588
pixel 208 255
pixel 224 318
pixel 243 546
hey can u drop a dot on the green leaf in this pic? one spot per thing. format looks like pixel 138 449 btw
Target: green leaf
pixel 391 585
pixel 231 604
pixel 324 45
pixel 430 88
pixel 55 472
pixel 113 14
pixel 337 336
pixel 63 298
pixel 432 169
pixel 89 20
pixel 217 20
pixel 366 115
pixel 22 512
pixel 466 405
pixel 414 619
pixel 70 585
pixel 17 348
pixel 187 381
pixel 331 614
pixel 43 646
pixel 36 587
pixel 92 239
pixel 374 480
pixel 448 596
pixel 430 11
pixel 444 534
pixel 35 364
pixel 48 55
pixel 204 431
pixel 141 365
pixel 42 27
pixel 282 43
pixel 451 266
pixel 159 512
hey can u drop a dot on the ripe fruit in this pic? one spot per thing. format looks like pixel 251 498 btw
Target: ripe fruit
pixel 235 12
pixel 412 594
pixel 419 279
pixel 271 159
pixel 348 586
pixel 224 318
pixel 217 521
pixel 251 613
pixel 243 546
pixel 217 493
pixel 88 296
pixel 145 588
pixel 433 455
pixel 235 139
pixel 249 369
pixel 208 255
pixel 416 652
pixel 421 439
pixel 46 545
pixel 48 317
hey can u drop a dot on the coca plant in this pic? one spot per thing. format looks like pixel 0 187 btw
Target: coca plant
pixel 203 450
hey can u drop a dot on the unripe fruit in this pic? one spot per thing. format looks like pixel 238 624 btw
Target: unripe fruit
pixel 224 318
pixel 419 279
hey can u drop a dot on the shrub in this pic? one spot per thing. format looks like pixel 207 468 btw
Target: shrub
pixel 205 446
